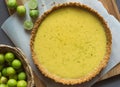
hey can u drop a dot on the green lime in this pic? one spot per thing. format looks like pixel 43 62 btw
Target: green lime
pixel 21 10
pixel 28 25
pixel 1 67
pixel 9 57
pixel 13 76
pixel 3 85
pixel 2 59
pixel 34 13
pixel 16 64
pixel 22 76
pixel 12 4
pixel 4 71
pixel 3 79
pixel 12 83
pixel 10 71
pixel 22 83
pixel 32 4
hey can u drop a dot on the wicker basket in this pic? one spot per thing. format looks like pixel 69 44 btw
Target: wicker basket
pixel 19 54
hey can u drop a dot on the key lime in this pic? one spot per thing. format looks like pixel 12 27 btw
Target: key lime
pixel 12 83
pixel 16 64
pixel 22 83
pixel 28 25
pixel 2 59
pixel 10 71
pixel 4 71
pixel 21 10
pixel 3 79
pixel 22 76
pixel 9 56
pixel 34 13
pixel 12 4
pixel 32 4
pixel 3 85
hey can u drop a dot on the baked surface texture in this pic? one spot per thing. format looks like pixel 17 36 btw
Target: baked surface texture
pixel 71 43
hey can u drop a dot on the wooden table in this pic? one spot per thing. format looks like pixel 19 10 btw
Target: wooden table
pixel 111 7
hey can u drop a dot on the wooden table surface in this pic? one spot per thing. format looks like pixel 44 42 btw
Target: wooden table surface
pixel 111 7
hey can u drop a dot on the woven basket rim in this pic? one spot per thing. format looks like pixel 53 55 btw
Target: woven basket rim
pixel 18 52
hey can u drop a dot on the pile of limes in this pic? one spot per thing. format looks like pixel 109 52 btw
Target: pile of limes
pixel 21 11
pixel 12 4
pixel 33 12
pixel 12 73
pixel 33 4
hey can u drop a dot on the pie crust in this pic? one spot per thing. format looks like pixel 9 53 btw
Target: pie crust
pixel 88 77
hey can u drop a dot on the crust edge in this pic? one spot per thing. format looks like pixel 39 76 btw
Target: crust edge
pixel 91 75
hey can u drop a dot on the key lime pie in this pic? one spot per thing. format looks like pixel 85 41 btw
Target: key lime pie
pixel 71 43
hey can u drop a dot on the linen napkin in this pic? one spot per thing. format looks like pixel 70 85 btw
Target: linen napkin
pixel 13 27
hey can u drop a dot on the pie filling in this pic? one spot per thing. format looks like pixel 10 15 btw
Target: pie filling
pixel 70 42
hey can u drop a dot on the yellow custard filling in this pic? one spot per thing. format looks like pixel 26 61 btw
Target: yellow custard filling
pixel 70 42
